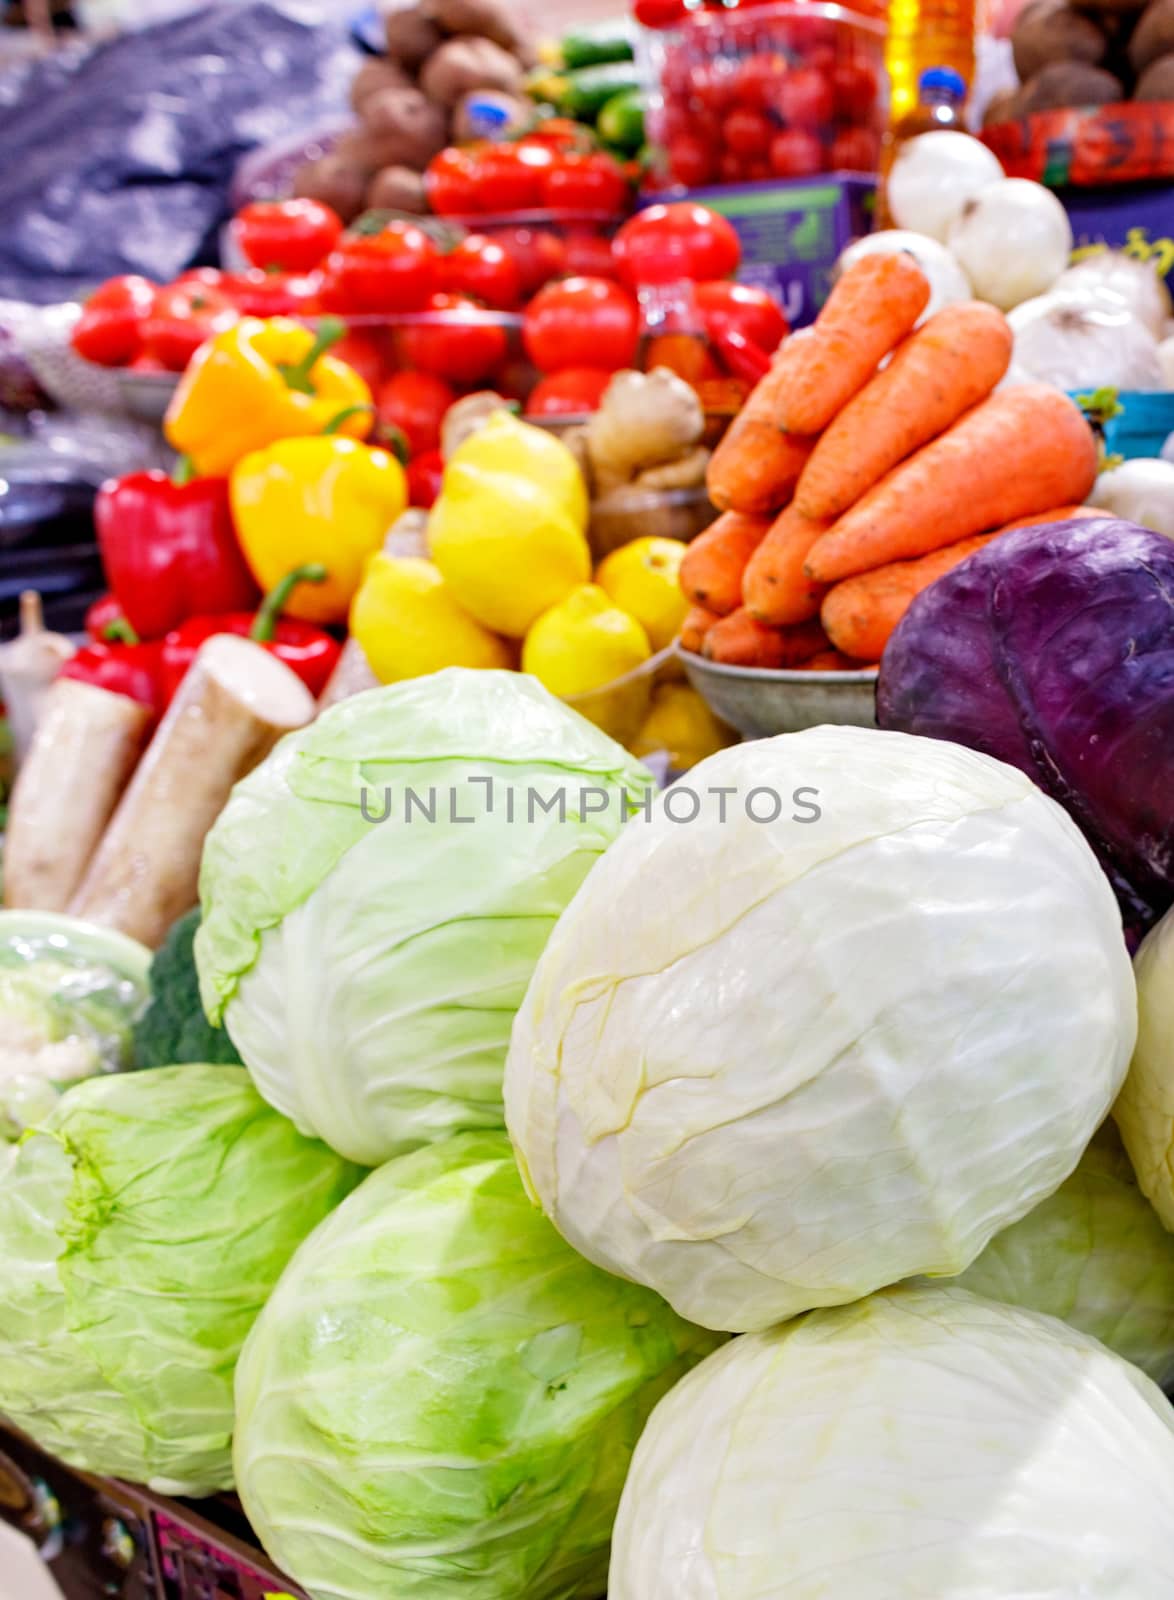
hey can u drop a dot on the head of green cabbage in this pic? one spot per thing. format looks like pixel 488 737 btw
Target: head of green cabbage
pixel 377 892
pixel 1144 1112
pixel 142 1227
pixel 863 1011
pixel 923 1442
pixel 441 1399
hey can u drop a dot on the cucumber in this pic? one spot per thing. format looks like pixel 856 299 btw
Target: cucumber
pixel 588 90
pixel 621 122
pixel 596 46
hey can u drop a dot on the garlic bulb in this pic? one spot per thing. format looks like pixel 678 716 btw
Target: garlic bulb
pixel 1135 282
pixel 1083 343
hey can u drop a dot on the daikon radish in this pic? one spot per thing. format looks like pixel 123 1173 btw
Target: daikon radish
pixel 28 668
pixel 83 751
pixel 234 704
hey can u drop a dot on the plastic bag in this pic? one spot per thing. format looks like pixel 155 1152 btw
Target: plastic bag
pixel 119 158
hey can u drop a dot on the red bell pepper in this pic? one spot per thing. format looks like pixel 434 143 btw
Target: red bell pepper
pixel 170 550
pixel 106 621
pixel 131 669
pixel 742 358
pixel 309 651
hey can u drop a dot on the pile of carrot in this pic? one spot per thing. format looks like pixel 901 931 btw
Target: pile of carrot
pixel 873 457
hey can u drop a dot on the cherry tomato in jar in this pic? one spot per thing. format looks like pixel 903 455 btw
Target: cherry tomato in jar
pixel 425 476
pixel 713 87
pixel 855 89
pixel 748 133
pixel 570 393
pixel 394 269
pixel 757 76
pixel 691 161
pixel 729 167
pixel 451 183
pixel 803 98
pixel 287 235
pixel 795 153
pixel 741 308
pixel 585 183
pixel 680 240
pixel 464 344
pixel 588 254
pixel 538 254
pixel 109 330
pixel 415 403
pixel 481 267
pixel 184 317
pixel 855 150
pixel 581 322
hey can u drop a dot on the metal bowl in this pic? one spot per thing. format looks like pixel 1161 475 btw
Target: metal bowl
pixel 761 702
pixel 146 395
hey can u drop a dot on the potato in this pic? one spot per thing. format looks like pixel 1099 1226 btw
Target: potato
pixel 518 113
pixel 488 19
pixel 371 152
pixel 1157 81
pixel 461 65
pixel 375 76
pixel 1106 9
pixel 407 117
pixel 398 189
pixel 411 38
pixel 335 181
pixel 1004 107
pixel 1050 31
pixel 1153 36
pixel 1069 83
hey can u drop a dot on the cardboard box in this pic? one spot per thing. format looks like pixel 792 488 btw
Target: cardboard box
pixel 793 233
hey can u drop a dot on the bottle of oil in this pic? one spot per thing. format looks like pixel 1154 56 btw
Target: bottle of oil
pixel 925 34
pixel 941 103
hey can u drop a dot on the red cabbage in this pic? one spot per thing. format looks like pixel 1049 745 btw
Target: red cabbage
pixel 1053 649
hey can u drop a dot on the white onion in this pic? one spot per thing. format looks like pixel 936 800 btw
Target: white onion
pixel 1013 240
pixel 1141 491
pixel 1166 358
pixel 933 177
pixel 1135 282
pixel 947 281
pixel 1079 343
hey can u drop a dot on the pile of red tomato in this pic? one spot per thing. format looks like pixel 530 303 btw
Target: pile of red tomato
pixel 779 98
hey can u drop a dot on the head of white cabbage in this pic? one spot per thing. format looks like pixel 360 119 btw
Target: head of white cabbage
pixel 766 1065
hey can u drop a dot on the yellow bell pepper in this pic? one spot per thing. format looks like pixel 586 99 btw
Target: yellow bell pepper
pixel 259 382
pixel 329 500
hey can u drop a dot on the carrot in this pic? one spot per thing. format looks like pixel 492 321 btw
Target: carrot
pixel 711 573
pixel 1017 454
pixel 756 465
pixel 740 640
pixel 1060 514
pixel 940 371
pixel 775 588
pixel 696 625
pixel 874 305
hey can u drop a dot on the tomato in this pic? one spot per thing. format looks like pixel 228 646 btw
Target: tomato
pixel 795 153
pixel 559 133
pixel 464 346
pixel 292 235
pixel 415 403
pixel 183 318
pixel 511 177
pixel 756 78
pixel 451 182
pixel 748 133
pixel 690 161
pixel 594 183
pixel 568 393
pixel 746 310
pixel 658 13
pixel 581 322
pixel 364 352
pixel 804 99
pixel 425 476
pixel 271 294
pixel 109 330
pixel 538 254
pixel 855 150
pixel 392 270
pixel 854 87
pixel 668 242
pixel 588 254
pixel 481 267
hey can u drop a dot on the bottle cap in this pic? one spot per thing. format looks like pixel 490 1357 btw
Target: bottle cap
pixel 944 78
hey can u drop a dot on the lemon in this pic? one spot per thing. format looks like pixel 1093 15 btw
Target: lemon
pixel 580 647
pixel 644 579
pixel 681 724
pixel 408 624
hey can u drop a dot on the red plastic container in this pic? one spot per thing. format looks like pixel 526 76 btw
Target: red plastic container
pixel 785 91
